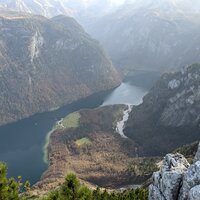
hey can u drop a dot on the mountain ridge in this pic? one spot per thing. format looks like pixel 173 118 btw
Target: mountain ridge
pixel 169 115
pixel 144 37
pixel 51 68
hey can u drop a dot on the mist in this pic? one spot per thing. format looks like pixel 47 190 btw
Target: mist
pixel 101 88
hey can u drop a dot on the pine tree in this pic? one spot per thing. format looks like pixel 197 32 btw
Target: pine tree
pixel 9 188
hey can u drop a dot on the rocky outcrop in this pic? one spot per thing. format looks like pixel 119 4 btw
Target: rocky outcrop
pixel 45 64
pixel 191 181
pixel 169 116
pixel 176 180
pixel 197 156
pixel 167 182
pixel 194 193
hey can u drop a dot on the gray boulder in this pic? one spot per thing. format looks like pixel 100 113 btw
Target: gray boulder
pixel 191 181
pixel 177 179
pixel 194 193
pixel 167 182
pixel 197 156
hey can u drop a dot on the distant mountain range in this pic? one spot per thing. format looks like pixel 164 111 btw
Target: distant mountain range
pixel 43 7
pixel 49 8
pixel 48 63
pixel 185 6
pixel 159 35
pixel 154 34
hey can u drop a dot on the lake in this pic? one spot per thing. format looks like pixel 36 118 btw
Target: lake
pixel 22 142
pixel 126 93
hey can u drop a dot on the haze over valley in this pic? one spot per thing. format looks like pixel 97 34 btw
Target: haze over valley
pixel 99 99
pixel 165 30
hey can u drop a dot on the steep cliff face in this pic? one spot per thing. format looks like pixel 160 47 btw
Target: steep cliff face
pixel 45 64
pixel 170 113
pixel 177 180
pixel 153 34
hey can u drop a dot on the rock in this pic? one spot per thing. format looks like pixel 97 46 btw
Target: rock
pixel 197 156
pixel 176 179
pixel 194 193
pixel 190 181
pixel 174 84
pixel 167 182
pixel 154 193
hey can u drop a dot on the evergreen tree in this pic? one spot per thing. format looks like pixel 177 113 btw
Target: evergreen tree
pixel 72 189
pixel 9 188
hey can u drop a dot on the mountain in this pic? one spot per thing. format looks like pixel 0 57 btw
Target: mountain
pixel 47 63
pixel 82 10
pixel 185 6
pixel 159 35
pixel 47 8
pixel 90 143
pixel 169 116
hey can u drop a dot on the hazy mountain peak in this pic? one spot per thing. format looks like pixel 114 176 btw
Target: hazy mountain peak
pixel 46 8
pixel 75 8
pixel 158 34
pixel 166 5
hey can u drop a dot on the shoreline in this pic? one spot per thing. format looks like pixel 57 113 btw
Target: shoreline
pixel 46 145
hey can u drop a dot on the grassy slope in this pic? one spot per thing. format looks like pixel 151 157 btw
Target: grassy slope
pixel 83 141
pixel 72 120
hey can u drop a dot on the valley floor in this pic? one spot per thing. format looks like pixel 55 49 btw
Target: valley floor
pixel 87 143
